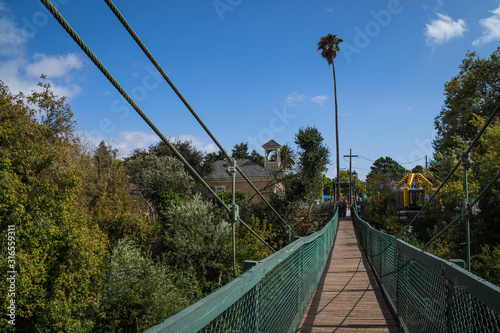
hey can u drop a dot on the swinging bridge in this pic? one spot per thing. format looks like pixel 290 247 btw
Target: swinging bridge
pixel 345 277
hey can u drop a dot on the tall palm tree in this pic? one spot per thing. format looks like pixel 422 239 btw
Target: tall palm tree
pixel 287 158
pixel 329 45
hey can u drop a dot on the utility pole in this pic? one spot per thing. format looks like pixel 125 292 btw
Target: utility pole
pixel 426 163
pixel 350 173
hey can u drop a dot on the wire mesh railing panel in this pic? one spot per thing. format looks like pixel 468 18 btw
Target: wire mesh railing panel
pixel 422 298
pixel 479 317
pixel 237 318
pixel 270 297
pixel 427 293
pixel 279 299
pixel 389 272
pixel 310 265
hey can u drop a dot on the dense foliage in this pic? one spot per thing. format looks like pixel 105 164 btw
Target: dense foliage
pixel 387 167
pixel 103 244
pixel 470 97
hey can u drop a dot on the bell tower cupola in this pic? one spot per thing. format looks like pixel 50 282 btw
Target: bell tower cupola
pixel 272 155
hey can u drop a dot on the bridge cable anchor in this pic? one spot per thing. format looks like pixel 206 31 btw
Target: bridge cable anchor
pixel 466 161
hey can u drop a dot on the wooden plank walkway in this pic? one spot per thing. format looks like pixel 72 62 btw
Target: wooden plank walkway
pixel 347 298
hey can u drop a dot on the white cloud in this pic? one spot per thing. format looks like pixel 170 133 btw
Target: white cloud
pixel 294 97
pixel 53 66
pixel 128 141
pixel 319 99
pixel 443 29
pixel 491 29
pixel 12 38
pixel 330 9
pixel 131 140
pixel 13 74
pixel 22 74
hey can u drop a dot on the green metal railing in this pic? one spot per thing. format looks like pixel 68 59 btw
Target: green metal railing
pixel 270 297
pixel 427 293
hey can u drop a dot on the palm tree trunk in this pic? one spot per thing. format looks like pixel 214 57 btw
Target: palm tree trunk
pixel 336 129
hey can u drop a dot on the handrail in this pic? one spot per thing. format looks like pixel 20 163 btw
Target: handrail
pixel 288 276
pixel 465 153
pixel 428 293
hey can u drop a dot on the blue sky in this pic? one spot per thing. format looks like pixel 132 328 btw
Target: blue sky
pixel 251 69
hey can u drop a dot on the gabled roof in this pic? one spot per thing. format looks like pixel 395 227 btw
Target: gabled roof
pixel 250 168
pixel 271 144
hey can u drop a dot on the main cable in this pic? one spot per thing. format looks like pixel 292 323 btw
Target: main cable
pixel 50 7
pixel 467 151
pixel 150 56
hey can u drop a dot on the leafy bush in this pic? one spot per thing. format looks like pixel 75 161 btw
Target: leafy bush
pixel 137 294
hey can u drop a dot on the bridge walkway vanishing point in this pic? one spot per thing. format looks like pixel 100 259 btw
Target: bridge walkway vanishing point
pixel 348 298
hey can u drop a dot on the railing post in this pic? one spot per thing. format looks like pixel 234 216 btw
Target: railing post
pixel 467 164
pixel 257 308
pixel 302 274
pixel 449 304
pixel 398 274
pixel 234 210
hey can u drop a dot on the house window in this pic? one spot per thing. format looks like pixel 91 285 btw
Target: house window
pixel 218 189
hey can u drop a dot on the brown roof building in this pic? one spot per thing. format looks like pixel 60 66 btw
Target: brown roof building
pixel 263 177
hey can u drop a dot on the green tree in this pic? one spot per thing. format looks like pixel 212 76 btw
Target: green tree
pixel 344 178
pixel 256 157
pixel 387 166
pixel 287 158
pixel 382 205
pixel 329 45
pixel 470 97
pixel 108 197
pixel 313 158
pixel 485 227
pixel 191 238
pixel 487 263
pixel 218 156
pixel 327 186
pixel 474 90
pixel 193 155
pixel 137 294
pixel 60 251
pixel 240 151
pixel 53 110
pixel 162 180
pixel 418 169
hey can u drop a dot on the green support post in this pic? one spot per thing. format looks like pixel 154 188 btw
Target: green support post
pixel 467 164
pixel 235 212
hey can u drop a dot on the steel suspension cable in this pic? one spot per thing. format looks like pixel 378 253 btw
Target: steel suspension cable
pixel 150 56
pixel 467 151
pixel 475 201
pixel 50 7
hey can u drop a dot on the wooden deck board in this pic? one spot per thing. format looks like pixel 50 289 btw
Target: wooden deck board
pixel 348 298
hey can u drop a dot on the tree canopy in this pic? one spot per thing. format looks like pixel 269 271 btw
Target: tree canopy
pixel 475 90
pixel 103 244
pixel 313 157
pixel 388 167
pixel 240 151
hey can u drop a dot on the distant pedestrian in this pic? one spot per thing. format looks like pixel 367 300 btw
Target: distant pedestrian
pixel 343 208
